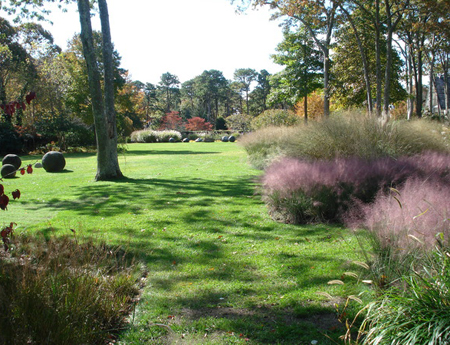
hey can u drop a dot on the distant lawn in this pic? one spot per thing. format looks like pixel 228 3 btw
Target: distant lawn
pixel 220 270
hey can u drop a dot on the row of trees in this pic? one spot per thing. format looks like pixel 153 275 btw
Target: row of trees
pixel 369 35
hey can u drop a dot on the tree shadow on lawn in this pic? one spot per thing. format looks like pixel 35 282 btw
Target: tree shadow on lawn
pixel 167 255
pixel 153 194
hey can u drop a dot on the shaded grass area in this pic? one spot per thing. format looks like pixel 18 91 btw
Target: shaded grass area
pixel 220 270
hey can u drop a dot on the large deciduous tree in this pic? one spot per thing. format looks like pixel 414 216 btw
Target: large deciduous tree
pixel 303 66
pixel 102 105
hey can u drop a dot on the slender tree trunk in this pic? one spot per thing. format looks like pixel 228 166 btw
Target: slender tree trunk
pixel 419 86
pixel 409 83
pixel 430 95
pixel 364 62
pixel 378 56
pixel 104 117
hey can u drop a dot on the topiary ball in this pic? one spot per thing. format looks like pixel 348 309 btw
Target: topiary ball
pixel 185 140
pixel 171 140
pixel 53 161
pixel 13 160
pixel 8 171
pixel 199 140
pixel 224 139
pixel 231 139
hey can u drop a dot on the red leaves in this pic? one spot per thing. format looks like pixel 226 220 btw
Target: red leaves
pixel 30 97
pixel 29 169
pixel 5 233
pixel 16 194
pixel 11 107
pixel 4 201
pixel 2 190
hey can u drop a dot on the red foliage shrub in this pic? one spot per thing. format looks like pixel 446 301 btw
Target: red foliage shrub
pixel 198 124
pixel 171 121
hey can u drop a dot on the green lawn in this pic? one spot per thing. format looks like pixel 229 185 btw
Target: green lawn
pixel 220 270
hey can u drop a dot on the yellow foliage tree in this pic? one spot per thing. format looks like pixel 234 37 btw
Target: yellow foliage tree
pixel 314 104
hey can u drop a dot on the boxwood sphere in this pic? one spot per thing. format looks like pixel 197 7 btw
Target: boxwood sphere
pixel 8 171
pixel 231 138
pixel 13 160
pixel 53 161
pixel 225 139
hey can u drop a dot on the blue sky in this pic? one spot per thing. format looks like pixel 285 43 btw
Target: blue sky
pixel 182 37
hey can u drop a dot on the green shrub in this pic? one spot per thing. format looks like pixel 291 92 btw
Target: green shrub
pixel 239 122
pixel 9 139
pixel 57 291
pixel 275 118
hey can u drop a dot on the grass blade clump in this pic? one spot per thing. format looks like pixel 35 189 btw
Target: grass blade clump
pixel 417 314
pixel 299 191
pixel 345 135
pixel 406 223
pixel 57 291
pixel 152 136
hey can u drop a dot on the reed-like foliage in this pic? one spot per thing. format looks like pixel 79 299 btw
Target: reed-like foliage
pixel 346 135
pixel 416 313
pixel 152 136
pixel 57 291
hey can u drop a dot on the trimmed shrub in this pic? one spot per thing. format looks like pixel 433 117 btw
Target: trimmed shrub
pixel 13 160
pixel 224 139
pixel 53 161
pixel 232 138
pixel 8 171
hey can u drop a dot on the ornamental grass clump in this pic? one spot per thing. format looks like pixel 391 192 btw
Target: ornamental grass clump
pixel 152 136
pixel 300 191
pixel 346 135
pixel 410 218
pixel 59 291
pixel 415 312
pixel 268 144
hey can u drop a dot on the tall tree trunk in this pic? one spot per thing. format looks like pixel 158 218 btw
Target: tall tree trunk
pixel 378 56
pixel 419 85
pixel 409 85
pixel 364 61
pixel 104 117
pixel 430 95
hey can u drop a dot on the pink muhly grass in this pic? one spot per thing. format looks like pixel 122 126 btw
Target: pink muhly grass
pixel 330 185
pixel 411 218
